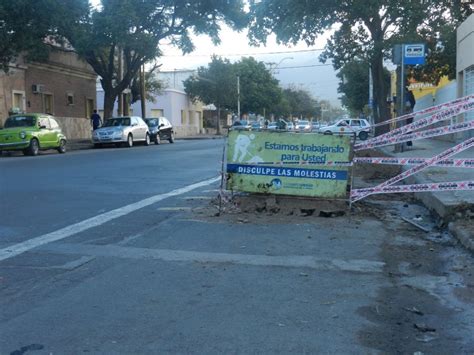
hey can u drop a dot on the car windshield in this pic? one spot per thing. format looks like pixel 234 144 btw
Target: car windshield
pixel 20 121
pixel 114 122
pixel 303 123
pixel 151 122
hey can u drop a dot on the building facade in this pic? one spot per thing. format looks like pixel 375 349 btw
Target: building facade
pixel 64 86
pixel 173 103
pixel 465 66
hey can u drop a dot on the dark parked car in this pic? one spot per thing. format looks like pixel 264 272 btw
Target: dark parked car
pixel 160 129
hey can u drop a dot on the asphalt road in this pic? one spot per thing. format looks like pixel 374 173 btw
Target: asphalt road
pixel 120 251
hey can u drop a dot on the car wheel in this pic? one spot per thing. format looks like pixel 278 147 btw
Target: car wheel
pixel 97 145
pixel 129 143
pixel 147 139
pixel 33 149
pixel 363 135
pixel 62 146
pixel 171 140
pixel 157 139
pixel 327 132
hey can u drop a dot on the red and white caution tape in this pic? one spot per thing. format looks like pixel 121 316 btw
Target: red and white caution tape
pixel 440 186
pixel 442 156
pixel 430 133
pixel 429 110
pixel 421 123
pixel 447 163
pixel 327 163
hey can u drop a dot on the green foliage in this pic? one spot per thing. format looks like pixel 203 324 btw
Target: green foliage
pixel 441 43
pixel 300 103
pixel 153 86
pixel 364 29
pixel 259 90
pixel 354 85
pixel 28 26
pixel 215 84
pixel 136 29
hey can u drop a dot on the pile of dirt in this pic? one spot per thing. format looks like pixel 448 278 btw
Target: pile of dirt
pixel 368 172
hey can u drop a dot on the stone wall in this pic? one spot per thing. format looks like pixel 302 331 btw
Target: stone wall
pixel 75 128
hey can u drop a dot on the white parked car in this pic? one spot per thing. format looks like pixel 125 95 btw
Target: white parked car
pixel 303 126
pixel 122 131
pixel 361 127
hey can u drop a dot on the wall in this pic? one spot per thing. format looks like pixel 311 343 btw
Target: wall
pixel 172 102
pixel 75 128
pixel 13 80
pixel 465 67
pixel 64 73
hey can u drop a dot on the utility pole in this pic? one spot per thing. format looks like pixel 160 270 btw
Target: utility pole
pixel 143 90
pixel 371 95
pixel 238 96
pixel 120 77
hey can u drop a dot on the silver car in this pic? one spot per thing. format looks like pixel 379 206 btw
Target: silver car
pixel 122 131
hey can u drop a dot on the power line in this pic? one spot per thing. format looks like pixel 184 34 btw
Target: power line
pixel 306 66
pixel 245 54
pixel 293 67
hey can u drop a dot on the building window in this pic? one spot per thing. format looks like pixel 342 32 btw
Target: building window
pixel 89 107
pixel 183 117
pixel 469 89
pixel 48 101
pixel 69 99
pixel 191 118
pixel 18 104
pixel 157 112
pixel 199 118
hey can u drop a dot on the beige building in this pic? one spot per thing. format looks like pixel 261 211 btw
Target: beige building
pixel 465 64
pixel 64 86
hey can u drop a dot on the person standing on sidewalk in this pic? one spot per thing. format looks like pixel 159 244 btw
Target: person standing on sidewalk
pixel 95 120
pixel 410 103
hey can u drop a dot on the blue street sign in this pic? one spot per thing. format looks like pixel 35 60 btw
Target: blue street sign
pixel 414 54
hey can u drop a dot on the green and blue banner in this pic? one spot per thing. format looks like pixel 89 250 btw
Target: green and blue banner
pixel 288 163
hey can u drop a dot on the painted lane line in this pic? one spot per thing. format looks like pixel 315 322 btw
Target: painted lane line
pixel 288 261
pixel 96 221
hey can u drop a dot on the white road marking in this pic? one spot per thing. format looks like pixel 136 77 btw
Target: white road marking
pixel 96 221
pixel 291 261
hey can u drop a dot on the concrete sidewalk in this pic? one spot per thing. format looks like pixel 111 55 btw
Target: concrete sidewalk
pixel 79 144
pixel 456 208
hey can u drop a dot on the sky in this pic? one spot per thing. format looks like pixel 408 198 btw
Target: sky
pixel 296 66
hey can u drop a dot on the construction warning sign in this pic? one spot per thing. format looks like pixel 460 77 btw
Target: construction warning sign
pixel 288 163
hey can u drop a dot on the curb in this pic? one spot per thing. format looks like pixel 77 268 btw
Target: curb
pixel 463 234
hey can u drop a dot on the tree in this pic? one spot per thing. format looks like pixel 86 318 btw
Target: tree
pixel 366 30
pixel 301 103
pixel 215 84
pixel 354 86
pixel 441 44
pixel 153 86
pixel 28 26
pixel 134 30
pixel 259 90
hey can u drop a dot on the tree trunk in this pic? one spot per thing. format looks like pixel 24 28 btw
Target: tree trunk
pixel 381 108
pixel 218 131
pixel 109 100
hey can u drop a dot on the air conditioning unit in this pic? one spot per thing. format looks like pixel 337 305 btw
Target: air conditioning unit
pixel 37 88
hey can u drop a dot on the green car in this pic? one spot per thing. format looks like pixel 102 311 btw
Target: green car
pixel 30 132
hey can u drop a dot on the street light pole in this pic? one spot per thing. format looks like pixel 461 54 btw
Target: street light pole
pixel 238 96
